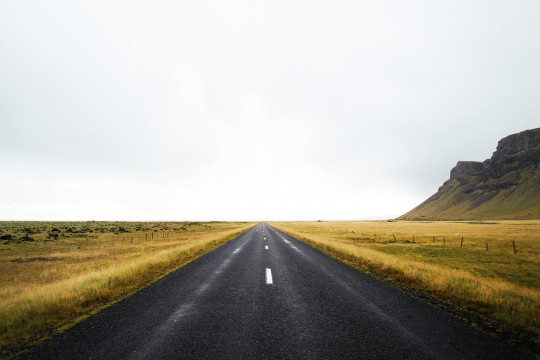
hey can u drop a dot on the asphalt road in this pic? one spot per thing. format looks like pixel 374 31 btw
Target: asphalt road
pixel 266 295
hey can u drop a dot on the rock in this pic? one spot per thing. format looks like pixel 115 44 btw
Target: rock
pixel 464 168
pixel 507 186
pixel 516 144
pixel 514 152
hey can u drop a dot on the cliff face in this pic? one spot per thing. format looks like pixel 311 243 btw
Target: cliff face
pixel 507 186
pixel 465 168
pixel 515 152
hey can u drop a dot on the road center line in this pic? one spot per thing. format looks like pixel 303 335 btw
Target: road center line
pixel 268 276
pixel 266 247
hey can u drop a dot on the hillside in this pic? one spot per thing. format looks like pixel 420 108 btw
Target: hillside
pixel 507 186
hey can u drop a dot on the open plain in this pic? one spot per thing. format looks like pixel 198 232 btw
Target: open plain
pixel 146 290
pixel 485 267
pixel 55 274
pixel 266 295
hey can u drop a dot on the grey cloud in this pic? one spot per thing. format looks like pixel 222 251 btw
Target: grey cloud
pixel 357 98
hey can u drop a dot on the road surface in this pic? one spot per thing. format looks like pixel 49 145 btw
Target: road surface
pixel 266 295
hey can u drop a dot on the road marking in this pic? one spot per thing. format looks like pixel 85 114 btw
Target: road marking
pixel 268 276
pixel 266 247
pixel 264 238
pixel 222 266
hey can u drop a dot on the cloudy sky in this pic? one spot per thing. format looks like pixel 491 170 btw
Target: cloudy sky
pixel 254 110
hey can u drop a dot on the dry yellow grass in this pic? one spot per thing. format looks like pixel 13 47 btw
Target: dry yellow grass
pixel 46 284
pixel 492 279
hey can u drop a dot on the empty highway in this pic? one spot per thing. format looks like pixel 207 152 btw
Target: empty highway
pixel 266 295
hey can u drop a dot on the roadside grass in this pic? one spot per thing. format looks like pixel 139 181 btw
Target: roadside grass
pixel 491 280
pixel 53 275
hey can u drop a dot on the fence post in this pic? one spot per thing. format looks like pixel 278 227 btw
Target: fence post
pixel 461 242
pixel 513 243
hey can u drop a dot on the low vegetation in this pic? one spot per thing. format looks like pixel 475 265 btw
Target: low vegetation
pixel 516 195
pixel 54 274
pixel 487 268
pixel 502 187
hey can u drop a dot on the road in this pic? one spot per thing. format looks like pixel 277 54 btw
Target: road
pixel 266 295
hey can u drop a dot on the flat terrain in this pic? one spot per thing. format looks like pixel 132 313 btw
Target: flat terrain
pixel 489 268
pixel 53 274
pixel 266 295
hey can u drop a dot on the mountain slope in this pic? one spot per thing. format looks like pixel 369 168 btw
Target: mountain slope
pixel 507 186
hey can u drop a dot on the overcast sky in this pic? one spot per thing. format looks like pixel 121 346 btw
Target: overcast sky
pixel 254 110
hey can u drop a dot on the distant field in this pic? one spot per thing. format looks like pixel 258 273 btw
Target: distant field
pixel 53 274
pixel 482 273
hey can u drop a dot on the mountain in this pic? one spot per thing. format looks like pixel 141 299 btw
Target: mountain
pixel 507 186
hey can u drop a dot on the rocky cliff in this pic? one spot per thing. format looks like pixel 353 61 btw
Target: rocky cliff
pixel 507 186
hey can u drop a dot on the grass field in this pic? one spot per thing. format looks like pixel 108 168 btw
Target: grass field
pixel 481 274
pixel 54 274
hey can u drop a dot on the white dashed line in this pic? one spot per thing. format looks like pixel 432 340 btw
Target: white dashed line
pixel 266 247
pixel 268 276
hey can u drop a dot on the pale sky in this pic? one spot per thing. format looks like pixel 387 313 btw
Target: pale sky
pixel 254 110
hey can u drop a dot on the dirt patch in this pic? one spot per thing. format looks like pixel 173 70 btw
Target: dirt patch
pixel 96 257
pixel 37 259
